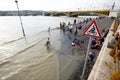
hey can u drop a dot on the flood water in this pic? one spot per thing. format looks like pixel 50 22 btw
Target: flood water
pixel 26 58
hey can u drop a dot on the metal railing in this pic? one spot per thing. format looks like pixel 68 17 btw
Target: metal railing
pixel 115 53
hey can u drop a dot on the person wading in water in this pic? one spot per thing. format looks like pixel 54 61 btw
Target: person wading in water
pixel 48 43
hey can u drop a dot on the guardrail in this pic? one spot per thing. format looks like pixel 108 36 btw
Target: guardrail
pixel 115 53
pixel 115 27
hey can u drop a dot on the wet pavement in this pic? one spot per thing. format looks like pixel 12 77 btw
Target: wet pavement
pixel 30 60
pixel 104 23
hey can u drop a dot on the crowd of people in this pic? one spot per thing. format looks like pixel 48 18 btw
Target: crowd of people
pixel 74 29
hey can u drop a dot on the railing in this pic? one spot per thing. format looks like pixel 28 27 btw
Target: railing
pixel 115 27
pixel 115 53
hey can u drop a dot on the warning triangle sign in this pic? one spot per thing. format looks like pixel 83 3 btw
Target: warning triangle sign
pixel 92 30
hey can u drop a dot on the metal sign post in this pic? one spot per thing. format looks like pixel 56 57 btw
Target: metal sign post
pixel 93 31
pixel 86 59
pixel 20 18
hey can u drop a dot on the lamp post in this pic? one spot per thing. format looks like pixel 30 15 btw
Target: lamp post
pixel 20 17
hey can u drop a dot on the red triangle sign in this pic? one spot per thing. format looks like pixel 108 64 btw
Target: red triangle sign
pixel 92 30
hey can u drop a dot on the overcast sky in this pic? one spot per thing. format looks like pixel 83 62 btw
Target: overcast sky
pixel 58 5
